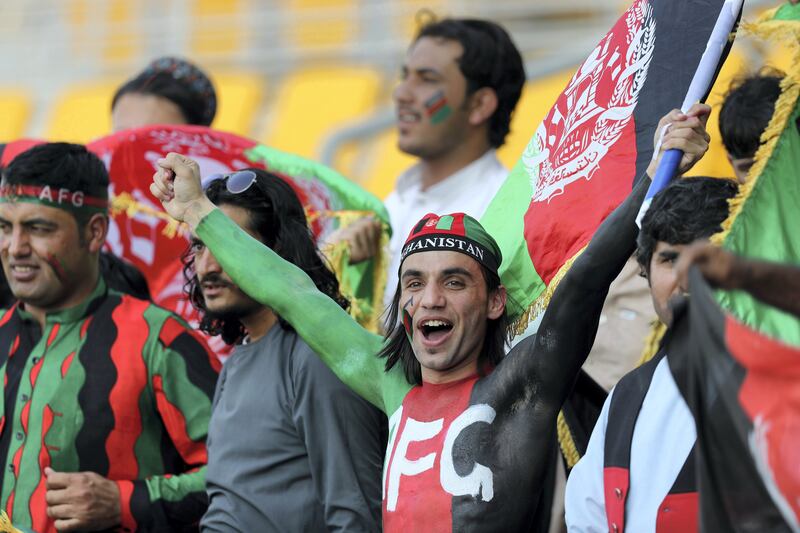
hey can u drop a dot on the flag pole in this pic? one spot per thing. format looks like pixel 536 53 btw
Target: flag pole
pixel 699 86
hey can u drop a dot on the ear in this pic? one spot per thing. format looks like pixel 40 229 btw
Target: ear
pixel 483 104
pixel 95 232
pixel 497 303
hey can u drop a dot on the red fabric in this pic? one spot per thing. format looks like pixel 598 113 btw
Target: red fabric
pixel 678 513
pixel 125 493
pixel 422 504
pixel 13 149
pixel 770 397
pixel 38 503
pixel 588 155
pixel 131 382
pixel 616 482
pixel 429 228
pixel 193 453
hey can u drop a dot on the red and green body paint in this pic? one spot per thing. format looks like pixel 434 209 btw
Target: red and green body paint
pixel 436 108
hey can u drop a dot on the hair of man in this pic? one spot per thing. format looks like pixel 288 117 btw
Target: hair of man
pixel 196 99
pixel 688 209
pixel 490 59
pixel 397 348
pixel 747 110
pixel 61 165
pixel 277 217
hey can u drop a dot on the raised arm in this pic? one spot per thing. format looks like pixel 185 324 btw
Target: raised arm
pixel 348 349
pixel 774 284
pixel 551 359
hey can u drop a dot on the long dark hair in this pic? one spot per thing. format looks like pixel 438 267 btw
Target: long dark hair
pixel 277 217
pixel 397 348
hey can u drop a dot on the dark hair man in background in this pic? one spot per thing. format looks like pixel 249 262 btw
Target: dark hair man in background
pixel 168 91
pixel 745 114
pixel 107 397
pixel 291 448
pixel 461 80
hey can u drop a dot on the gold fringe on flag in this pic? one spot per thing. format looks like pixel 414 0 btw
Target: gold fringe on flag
pixel 543 300
pixel 787 33
pixel 652 342
pixel 5 524
pixel 565 441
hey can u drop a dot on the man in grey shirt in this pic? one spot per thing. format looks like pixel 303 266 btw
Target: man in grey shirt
pixel 290 447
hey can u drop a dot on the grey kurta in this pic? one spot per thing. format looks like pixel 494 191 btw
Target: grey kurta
pixel 290 447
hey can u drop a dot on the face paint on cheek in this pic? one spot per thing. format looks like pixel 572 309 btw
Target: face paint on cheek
pixel 436 108
pixel 408 323
pixel 57 267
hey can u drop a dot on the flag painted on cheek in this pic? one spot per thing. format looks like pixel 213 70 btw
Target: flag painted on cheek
pixel 437 108
pixel 408 319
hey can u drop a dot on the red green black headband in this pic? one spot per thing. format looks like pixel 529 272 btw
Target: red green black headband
pixel 51 196
pixel 456 232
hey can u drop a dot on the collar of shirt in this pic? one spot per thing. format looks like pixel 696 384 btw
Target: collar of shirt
pixel 71 314
pixel 409 184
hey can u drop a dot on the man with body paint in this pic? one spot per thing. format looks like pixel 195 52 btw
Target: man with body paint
pixel 106 397
pixel 460 83
pixel 470 430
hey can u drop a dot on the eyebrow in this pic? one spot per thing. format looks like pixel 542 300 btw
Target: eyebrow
pixel 411 274
pixel 421 71
pixel 456 271
pixel 668 254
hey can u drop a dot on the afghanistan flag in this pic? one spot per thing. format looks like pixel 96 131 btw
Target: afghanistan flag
pixel 594 142
pixel 743 388
pixel 736 360
pixel 147 237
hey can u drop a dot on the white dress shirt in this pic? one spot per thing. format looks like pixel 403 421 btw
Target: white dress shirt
pixel 662 439
pixel 470 190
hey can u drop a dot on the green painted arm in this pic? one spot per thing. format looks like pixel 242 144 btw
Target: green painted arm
pixel 348 349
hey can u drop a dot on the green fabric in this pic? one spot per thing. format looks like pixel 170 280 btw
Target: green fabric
pixel 788 12
pixel 345 196
pixel 347 348
pixel 520 278
pixel 768 227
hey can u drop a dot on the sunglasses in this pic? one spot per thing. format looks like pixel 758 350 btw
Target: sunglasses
pixel 235 182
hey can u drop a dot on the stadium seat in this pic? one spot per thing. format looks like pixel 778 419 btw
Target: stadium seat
pixel 215 31
pixel 82 112
pixel 15 108
pixel 387 163
pixel 240 96
pixel 321 23
pixel 311 103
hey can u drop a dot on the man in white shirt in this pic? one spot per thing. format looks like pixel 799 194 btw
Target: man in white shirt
pixel 461 80
pixel 638 471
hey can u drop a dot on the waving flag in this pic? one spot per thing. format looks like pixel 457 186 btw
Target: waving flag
pixel 595 141
pixel 143 234
pixel 743 388
pixel 737 360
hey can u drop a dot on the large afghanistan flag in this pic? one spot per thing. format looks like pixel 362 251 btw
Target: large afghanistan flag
pixel 585 157
pixel 144 235
pixel 594 142
pixel 737 360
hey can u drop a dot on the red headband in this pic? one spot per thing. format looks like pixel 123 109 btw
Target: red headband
pixel 54 196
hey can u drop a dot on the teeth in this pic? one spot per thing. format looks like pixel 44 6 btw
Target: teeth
pixel 435 323
pixel 22 268
pixel 408 117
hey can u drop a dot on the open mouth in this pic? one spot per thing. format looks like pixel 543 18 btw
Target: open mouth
pixel 434 330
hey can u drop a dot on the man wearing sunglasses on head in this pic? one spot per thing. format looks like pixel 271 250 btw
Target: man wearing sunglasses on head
pixel 291 448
